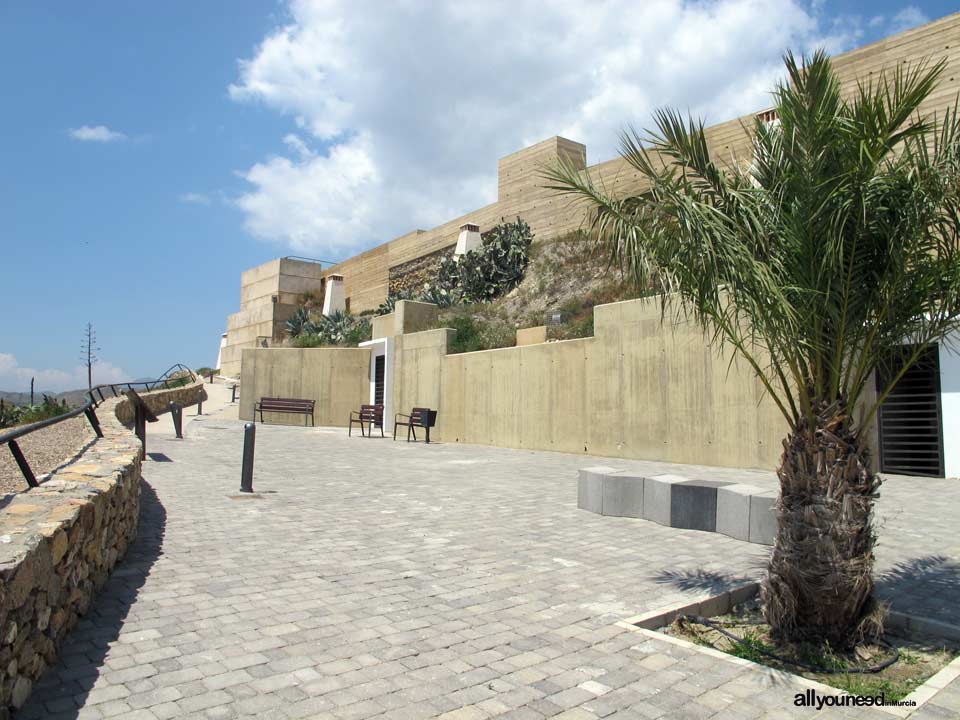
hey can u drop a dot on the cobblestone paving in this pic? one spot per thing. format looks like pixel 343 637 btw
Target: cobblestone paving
pixel 380 579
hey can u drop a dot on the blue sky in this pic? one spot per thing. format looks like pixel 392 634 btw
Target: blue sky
pixel 151 153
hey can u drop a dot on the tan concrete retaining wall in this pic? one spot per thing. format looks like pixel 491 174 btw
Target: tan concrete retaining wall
pixel 58 544
pixel 338 379
pixel 635 390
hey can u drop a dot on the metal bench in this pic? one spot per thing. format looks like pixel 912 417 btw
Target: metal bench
pixel 285 405
pixel 419 417
pixel 370 415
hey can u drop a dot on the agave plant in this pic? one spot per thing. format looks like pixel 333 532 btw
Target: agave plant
pixel 299 323
pixel 335 327
pixel 835 245
pixel 439 296
pixel 389 305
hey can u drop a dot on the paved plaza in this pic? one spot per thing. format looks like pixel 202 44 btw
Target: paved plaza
pixel 379 579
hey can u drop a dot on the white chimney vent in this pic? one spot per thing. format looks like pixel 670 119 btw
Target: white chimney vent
pixel 468 240
pixel 334 298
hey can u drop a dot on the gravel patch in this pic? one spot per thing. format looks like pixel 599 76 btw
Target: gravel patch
pixel 45 450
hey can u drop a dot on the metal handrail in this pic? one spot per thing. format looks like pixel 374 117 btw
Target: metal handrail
pixel 310 259
pixel 88 408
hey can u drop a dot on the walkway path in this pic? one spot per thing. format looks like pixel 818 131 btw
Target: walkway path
pixel 373 578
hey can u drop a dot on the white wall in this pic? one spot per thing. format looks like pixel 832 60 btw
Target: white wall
pixel 950 404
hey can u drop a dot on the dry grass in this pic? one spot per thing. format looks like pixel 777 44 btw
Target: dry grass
pixel 920 658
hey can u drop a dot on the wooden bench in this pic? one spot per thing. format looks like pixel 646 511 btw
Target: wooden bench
pixel 371 415
pixel 284 405
pixel 419 417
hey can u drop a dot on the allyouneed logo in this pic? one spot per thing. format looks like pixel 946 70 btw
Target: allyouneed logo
pixel 811 699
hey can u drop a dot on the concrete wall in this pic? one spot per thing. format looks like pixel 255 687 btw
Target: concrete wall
pixel 532 335
pixel 269 295
pixel 336 378
pixel 418 371
pixel 635 390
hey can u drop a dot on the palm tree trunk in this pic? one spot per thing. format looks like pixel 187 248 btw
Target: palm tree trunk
pixel 820 578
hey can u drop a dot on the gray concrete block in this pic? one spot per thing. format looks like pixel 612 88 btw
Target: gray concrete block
pixel 693 505
pixel 763 520
pixel 733 510
pixel 656 497
pixel 590 488
pixel 623 495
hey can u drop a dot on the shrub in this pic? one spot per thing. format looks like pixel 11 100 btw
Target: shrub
pixel 9 414
pixel 309 341
pixel 337 329
pixel 473 335
pixel 300 323
pixel 389 305
pixel 439 296
pixel 16 415
pixel 491 270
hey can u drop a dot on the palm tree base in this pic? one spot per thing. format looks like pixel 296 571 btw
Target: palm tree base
pixel 819 586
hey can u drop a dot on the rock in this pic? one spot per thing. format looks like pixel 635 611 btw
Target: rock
pixel 21 691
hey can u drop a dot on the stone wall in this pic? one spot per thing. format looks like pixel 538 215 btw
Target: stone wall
pixel 158 400
pixel 412 275
pixel 59 543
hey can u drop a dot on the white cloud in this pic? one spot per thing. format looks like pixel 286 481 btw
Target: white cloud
pixel 96 133
pixel 403 109
pixel 907 18
pixel 192 198
pixel 14 378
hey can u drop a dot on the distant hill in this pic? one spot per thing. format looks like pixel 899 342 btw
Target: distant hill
pixel 74 398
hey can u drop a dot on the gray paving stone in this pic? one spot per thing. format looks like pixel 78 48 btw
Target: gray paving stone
pixel 451 579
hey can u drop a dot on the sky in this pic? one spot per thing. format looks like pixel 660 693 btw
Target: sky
pixel 149 153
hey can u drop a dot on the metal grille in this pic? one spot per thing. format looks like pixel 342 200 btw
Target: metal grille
pixel 378 379
pixel 911 431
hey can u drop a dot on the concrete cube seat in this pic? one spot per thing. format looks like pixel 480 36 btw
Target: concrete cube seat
pixel 740 511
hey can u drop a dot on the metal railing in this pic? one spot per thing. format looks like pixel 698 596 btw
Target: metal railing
pixel 89 409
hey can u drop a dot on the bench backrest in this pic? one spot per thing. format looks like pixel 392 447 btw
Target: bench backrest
pixel 372 413
pixel 268 403
pixel 423 417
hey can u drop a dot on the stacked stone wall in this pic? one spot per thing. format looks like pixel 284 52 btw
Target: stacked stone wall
pixel 60 541
pixel 158 400
pixel 411 276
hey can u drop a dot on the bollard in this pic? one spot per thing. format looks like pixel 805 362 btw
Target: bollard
pixel 140 426
pixel 246 473
pixel 176 412
pixel 233 393
pixel 200 401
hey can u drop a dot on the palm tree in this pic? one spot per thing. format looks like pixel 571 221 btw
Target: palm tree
pixel 836 244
